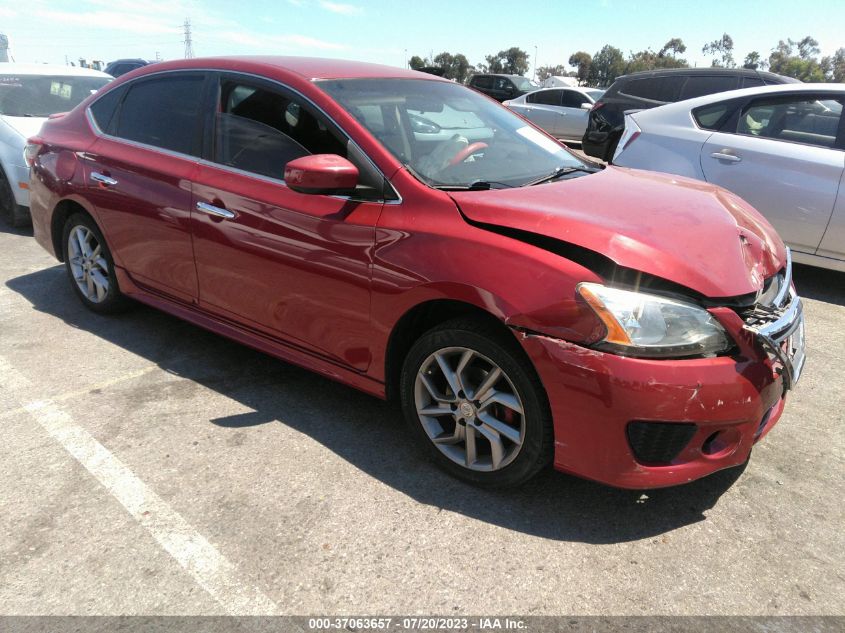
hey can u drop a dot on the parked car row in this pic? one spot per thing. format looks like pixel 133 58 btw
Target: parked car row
pixel 409 237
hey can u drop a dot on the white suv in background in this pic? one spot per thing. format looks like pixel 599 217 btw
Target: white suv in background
pixel 29 93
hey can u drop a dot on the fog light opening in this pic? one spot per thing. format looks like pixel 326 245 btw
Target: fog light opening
pixel 712 444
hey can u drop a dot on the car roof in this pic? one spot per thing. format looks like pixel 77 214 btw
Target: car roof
pixel 707 70
pixel 310 68
pixel 50 69
pixel 670 110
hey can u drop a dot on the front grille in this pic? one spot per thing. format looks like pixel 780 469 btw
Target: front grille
pixel 659 442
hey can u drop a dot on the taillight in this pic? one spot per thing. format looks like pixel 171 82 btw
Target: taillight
pixel 32 149
pixel 631 139
pixel 598 105
pixel 631 134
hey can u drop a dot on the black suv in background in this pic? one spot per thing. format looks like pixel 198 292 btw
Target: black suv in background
pixel 122 66
pixel 652 88
pixel 502 87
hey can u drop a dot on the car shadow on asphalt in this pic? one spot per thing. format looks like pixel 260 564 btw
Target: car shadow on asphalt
pixel 820 284
pixel 369 433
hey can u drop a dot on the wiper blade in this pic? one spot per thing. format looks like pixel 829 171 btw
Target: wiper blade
pixel 557 173
pixel 475 185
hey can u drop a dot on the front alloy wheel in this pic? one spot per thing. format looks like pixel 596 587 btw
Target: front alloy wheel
pixel 473 399
pixel 469 409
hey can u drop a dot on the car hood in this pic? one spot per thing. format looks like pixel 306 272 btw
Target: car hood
pixel 26 126
pixel 688 232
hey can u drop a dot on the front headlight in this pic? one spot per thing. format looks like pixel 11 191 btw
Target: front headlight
pixel 649 326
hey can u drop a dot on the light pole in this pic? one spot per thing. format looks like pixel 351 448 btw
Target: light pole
pixel 535 62
pixel 406 58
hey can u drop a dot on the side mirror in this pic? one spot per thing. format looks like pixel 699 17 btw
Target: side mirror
pixel 321 174
pixel 586 106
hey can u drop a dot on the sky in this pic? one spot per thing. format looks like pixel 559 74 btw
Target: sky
pixel 389 32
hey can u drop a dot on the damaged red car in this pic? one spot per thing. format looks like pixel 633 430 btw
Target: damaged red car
pixel 412 238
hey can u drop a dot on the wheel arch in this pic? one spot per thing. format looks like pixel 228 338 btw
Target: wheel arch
pixel 418 320
pixel 61 212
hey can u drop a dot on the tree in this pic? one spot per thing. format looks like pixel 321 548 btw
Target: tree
pixel 581 61
pixel 417 63
pixel 606 66
pixel 513 61
pixel 675 45
pixel 722 47
pixel 649 60
pixel 544 72
pixel 753 61
pixel 802 65
pixel 834 66
pixel 454 66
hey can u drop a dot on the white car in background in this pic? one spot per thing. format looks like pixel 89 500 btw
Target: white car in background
pixel 562 112
pixel 29 93
pixel 781 148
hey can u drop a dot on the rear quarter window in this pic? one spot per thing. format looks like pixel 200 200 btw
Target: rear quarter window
pixel 104 108
pixel 711 117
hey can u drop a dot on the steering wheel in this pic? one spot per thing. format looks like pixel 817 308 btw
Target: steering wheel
pixel 466 152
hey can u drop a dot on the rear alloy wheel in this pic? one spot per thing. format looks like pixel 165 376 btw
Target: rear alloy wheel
pixel 474 400
pixel 90 266
pixel 11 212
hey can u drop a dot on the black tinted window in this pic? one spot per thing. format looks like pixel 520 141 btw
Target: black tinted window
pixel 573 99
pixel 663 89
pixel 103 109
pixel 482 82
pixel 698 85
pixel 164 112
pixel 545 97
pixel 752 82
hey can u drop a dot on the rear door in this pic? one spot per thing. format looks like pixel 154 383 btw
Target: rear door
pixel 543 109
pixel 293 266
pixel 138 174
pixel 781 157
pixel 573 119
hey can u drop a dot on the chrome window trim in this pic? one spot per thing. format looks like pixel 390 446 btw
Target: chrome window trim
pixel 202 161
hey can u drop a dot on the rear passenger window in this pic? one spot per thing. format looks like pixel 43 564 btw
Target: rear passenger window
pixel 104 108
pixel 545 97
pixel 798 119
pixel 163 112
pixel 698 85
pixel 483 82
pixel 664 89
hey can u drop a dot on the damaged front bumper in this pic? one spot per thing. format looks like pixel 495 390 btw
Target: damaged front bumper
pixel 646 423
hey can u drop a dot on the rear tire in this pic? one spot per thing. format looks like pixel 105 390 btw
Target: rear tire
pixel 467 378
pixel 12 213
pixel 89 265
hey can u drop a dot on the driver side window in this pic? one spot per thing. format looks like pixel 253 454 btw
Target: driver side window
pixel 260 130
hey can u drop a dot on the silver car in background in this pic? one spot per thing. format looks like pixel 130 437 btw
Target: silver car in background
pixel 562 112
pixel 781 148
pixel 29 93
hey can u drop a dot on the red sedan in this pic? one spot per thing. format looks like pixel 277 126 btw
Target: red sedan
pixel 414 239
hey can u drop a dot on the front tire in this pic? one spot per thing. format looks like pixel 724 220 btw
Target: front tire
pixel 89 265
pixel 475 404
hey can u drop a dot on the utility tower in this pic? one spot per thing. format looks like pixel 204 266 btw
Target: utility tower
pixel 189 45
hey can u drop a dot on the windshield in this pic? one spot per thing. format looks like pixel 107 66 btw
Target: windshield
pixel 43 95
pixel 449 135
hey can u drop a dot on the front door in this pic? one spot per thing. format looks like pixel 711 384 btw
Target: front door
pixel 294 266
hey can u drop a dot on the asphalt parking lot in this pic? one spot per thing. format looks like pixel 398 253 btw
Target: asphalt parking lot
pixel 150 467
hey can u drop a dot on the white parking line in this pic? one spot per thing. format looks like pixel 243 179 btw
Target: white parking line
pixel 209 568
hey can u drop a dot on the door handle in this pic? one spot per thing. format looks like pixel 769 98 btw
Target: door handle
pixel 104 180
pixel 219 212
pixel 724 155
